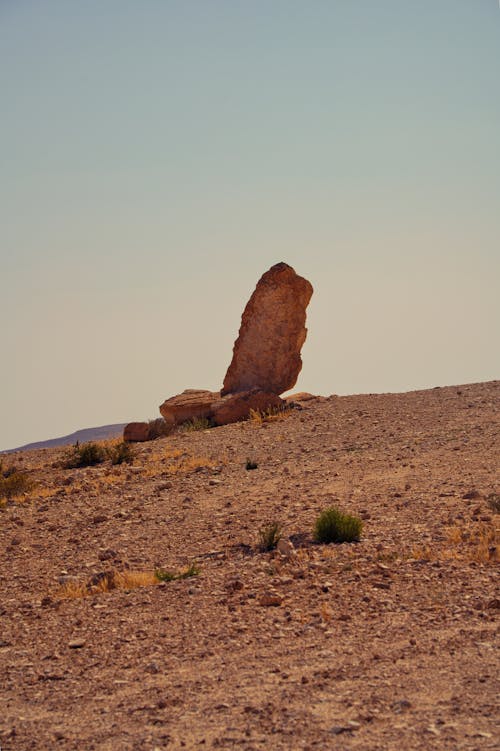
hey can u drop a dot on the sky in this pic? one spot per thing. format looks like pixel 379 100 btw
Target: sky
pixel 158 156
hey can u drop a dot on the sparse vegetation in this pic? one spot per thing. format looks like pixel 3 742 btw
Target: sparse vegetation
pixel 197 423
pixel 108 581
pixel 186 463
pixel 334 526
pixel 121 453
pixel 493 501
pixel 13 482
pixel 270 414
pixel 158 428
pixel 168 576
pixel 479 543
pixel 269 536
pixel 85 455
pixel 251 464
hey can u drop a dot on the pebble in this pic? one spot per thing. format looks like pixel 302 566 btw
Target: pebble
pixel 270 599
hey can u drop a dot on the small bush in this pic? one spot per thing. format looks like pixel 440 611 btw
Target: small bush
pixel 334 526
pixel 159 427
pixel 14 483
pixel 269 536
pixel 169 576
pixel 197 423
pixel 251 464
pixel 85 455
pixel 121 453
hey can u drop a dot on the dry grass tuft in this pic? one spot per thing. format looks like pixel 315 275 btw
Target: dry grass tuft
pixel 176 462
pixel 493 501
pixel 108 581
pixel 258 416
pixel 479 543
pixel 14 483
pixel 186 464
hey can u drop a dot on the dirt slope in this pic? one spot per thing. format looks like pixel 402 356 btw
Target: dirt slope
pixel 385 644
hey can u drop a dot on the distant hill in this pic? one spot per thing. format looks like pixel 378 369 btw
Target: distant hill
pixel 87 434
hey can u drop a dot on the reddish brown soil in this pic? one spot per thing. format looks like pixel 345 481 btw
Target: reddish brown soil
pixel 384 644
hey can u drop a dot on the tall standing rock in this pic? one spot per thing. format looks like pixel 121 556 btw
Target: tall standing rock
pixel 266 355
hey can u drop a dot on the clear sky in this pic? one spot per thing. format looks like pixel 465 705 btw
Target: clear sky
pixel 157 156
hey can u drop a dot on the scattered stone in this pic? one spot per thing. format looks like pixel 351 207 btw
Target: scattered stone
pixel 77 643
pixel 107 554
pixel 472 495
pixel 270 599
pixel 266 355
pixel 286 547
pixel 338 729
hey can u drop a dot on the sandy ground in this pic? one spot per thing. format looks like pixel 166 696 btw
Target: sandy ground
pixel 389 643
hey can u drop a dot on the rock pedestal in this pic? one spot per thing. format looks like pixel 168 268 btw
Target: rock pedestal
pixel 266 355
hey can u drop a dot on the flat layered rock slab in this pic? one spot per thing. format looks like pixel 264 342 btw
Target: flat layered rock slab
pixel 191 404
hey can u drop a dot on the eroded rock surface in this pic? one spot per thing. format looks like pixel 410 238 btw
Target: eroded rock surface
pixel 266 355
pixel 235 407
pixel 136 431
pixel 192 403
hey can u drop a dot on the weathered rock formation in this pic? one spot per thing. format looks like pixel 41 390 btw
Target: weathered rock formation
pixel 136 431
pixel 266 355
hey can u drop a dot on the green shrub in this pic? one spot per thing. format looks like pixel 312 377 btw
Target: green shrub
pixel 169 576
pixel 269 536
pixel 121 453
pixel 334 526
pixel 85 455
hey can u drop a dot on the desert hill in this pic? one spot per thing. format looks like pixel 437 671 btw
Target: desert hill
pixel 86 434
pixel 382 644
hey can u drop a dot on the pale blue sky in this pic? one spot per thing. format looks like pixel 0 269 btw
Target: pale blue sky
pixel 157 156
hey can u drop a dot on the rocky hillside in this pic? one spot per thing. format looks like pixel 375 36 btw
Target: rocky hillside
pixel 381 644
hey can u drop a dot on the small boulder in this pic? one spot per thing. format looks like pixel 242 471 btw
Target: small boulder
pixel 136 431
pixel 270 599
